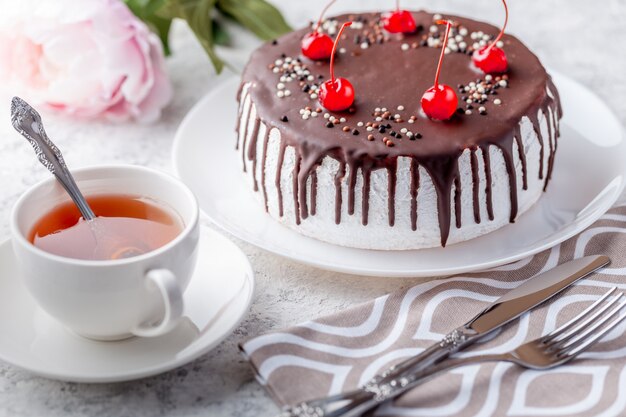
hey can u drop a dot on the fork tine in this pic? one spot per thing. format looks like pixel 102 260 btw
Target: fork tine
pixel 566 326
pixel 591 317
pixel 590 341
pixel 592 329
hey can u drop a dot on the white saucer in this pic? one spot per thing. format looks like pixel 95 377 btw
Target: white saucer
pixel 216 300
pixel 589 176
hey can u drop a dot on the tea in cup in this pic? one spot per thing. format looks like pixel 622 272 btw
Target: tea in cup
pixel 119 275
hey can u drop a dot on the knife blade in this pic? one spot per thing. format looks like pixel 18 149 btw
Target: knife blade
pixel 533 292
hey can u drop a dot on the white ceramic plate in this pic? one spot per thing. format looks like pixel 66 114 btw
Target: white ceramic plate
pixel 216 300
pixel 589 176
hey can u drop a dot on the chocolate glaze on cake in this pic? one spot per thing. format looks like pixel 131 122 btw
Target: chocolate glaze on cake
pixel 392 71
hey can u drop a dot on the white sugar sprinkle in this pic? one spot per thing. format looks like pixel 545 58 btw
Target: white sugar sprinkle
pixel 497 102
pixel 405 47
pixel 400 108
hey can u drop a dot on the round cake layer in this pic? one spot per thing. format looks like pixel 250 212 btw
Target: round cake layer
pixel 382 175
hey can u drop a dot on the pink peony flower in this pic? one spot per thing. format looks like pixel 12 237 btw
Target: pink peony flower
pixel 89 59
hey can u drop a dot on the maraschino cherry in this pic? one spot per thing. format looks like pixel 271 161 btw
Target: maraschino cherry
pixel 440 102
pixel 316 45
pixel 491 59
pixel 336 94
pixel 398 21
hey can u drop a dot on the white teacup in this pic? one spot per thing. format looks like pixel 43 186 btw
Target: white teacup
pixel 111 299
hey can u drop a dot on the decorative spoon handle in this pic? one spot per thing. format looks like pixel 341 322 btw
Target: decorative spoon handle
pixel 28 123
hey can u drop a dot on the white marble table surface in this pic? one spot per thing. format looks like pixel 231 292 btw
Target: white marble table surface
pixel 580 38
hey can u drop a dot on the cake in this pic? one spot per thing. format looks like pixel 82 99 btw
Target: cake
pixel 382 175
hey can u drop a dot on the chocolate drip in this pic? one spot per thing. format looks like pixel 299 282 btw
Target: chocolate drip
pixel 549 171
pixel 415 183
pixel 551 155
pixel 354 170
pixel 341 172
pixel 457 201
pixel 299 191
pixel 365 203
pixel 252 150
pixel 475 184
pixel 279 170
pixel 534 120
pixel 314 191
pixel 556 103
pixel 507 153
pixel 443 171
pixel 488 190
pixel 555 113
pixel 392 180
pixel 245 139
pixel 440 145
pixel 266 140
pixel 241 99
pixel 522 154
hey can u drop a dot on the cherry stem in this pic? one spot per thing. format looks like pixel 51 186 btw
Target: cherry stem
pixel 506 20
pixel 448 24
pixel 397 5
pixel 319 22
pixel 332 54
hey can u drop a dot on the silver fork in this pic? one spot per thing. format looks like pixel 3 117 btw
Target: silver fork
pixel 554 349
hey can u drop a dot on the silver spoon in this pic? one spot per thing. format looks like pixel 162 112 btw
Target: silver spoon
pixel 28 123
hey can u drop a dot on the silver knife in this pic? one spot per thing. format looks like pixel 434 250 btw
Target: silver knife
pixel 507 308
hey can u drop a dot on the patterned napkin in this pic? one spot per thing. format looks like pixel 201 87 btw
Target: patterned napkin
pixel 342 351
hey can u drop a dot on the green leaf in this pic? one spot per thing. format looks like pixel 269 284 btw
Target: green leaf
pixel 220 35
pixel 197 14
pixel 146 10
pixel 260 17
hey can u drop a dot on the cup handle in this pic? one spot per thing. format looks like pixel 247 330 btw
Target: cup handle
pixel 166 283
